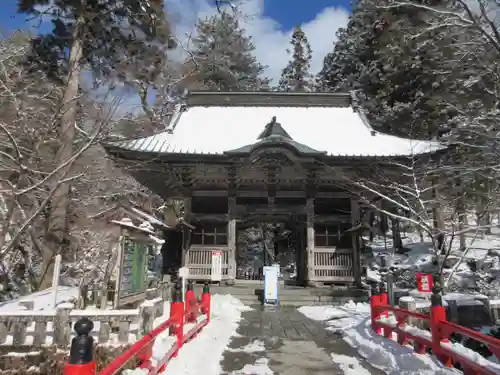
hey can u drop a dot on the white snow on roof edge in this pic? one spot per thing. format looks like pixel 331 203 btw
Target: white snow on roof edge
pixel 338 131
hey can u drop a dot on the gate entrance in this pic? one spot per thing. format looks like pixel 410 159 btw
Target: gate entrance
pixel 264 243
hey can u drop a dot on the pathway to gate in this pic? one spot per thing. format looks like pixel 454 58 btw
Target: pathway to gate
pixel 288 343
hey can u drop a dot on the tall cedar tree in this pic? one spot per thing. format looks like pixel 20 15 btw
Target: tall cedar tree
pixel 225 57
pixel 403 80
pixel 296 76
pixel 118 40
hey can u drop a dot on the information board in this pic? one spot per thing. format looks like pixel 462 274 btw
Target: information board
pixel 270 285
pixel 132 268
pixel 425 283
pixel 216 274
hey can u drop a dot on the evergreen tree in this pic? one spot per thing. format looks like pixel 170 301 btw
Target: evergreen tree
pixel 403 80
pixel 224 55
pixel 353 51
pixel 117 41
pixel 295 76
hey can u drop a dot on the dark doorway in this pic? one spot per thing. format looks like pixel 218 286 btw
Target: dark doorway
pixel 172 252
pixel 262 244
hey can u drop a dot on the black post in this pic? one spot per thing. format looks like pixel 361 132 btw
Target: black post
pixel 436 299
pixel 382 288
pixel 81 351
pixel 177 293
pixel 190 285
pixel 375 290
pixel 390 288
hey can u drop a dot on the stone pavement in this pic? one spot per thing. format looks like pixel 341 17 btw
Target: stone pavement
pixel 288 343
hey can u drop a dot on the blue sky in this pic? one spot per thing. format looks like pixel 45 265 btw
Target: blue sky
pixel 292 12
pixel 287 12
pixel 268 22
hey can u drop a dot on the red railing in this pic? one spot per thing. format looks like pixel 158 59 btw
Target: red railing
pixel 194 312
pixel 437 340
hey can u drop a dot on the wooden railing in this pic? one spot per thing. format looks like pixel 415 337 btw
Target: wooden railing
pixel 199 261
pixel 332 264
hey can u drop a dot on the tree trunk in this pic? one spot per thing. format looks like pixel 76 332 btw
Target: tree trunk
pixel 437 218
pixel 57 221
pixel 396 235
pixel 461 214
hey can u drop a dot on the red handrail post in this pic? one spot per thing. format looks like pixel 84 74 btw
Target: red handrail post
pixel 81 360
pixel 206 300
pixel 177 316
pixel 438 316
pixel 190 302
pixel 375 314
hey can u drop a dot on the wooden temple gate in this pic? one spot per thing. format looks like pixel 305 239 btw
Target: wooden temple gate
pixel 228 157
pixel 321 256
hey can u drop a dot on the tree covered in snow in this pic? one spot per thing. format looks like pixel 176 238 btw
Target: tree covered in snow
pixel 403 79
pixel 296 76
pixel 117 42
pixel 224 55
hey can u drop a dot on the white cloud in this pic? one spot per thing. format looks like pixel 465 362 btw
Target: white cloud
pixel 270 39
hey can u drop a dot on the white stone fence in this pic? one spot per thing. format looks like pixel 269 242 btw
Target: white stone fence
pixel 470 311
pixel 54 327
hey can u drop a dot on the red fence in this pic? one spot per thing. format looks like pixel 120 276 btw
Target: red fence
pixel 194 312
pixel 437 340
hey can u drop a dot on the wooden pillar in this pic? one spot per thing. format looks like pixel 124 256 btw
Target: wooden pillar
pixel 310 238
pixel 356 248
pixel 231 240
pixel 186 234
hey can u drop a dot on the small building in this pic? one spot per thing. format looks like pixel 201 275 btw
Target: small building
pixel 241 157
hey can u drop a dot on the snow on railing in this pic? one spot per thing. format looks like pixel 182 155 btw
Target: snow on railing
pixel 53 327
pixel 399 324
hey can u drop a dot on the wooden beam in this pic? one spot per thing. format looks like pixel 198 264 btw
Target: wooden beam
pixel 333 194
pixel 221 218
pixel 356 255
pixel 310 238
pixel 231 240
pixel 209 193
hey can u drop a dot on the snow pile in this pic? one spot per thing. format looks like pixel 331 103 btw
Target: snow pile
pixel 353 321
pixel 256 346
pixel 349 365
pixel 203 354
pixel 260 367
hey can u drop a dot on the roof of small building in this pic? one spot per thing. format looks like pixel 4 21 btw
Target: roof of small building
pixel 225 123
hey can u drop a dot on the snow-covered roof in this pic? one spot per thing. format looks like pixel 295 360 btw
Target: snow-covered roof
pixel 330 124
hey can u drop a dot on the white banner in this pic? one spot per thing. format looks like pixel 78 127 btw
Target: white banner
pixel 270 285
pixel 216 274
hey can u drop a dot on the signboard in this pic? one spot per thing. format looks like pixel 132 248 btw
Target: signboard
pixel 132 272
pixel 424 282
pixel 216 274
pixel 270 285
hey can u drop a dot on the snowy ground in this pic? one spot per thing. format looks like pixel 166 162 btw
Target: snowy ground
pixel 482 249
pixel 352 322
pixel 203 354
pixel 42 300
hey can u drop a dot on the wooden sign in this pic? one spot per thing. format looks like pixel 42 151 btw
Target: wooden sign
pixel 216 274
pixel 132 283
pixel 425 282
